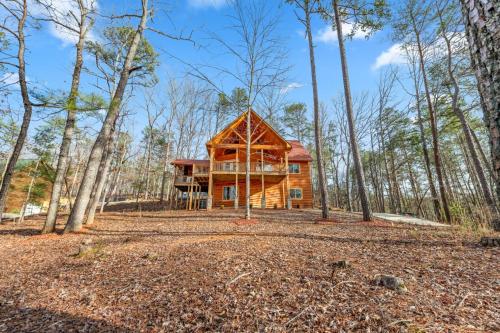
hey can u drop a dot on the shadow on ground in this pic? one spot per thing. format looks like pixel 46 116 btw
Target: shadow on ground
pixel 19 319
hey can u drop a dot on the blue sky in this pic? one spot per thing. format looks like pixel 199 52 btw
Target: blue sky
pixel 50 56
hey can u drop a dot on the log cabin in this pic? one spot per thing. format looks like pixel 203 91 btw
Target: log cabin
pixel 280 170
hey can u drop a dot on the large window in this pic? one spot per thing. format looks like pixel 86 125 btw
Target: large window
pixel 229 193
pixel 296 193
pixel 294 168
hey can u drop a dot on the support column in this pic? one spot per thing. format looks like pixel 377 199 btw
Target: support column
pixel 171 193
pixel 197 205
pixel 210 180
pixel 191 192
pixel 288 200
pixel 176 196
pixel 263 188
pixel 236 186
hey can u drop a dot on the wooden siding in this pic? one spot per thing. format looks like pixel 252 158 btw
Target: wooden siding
pixel 273 189
pixel 302 180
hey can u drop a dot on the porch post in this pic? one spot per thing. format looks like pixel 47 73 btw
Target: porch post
pixel 172 192
pixel 210 180
pixel 191 190
pixel 176 197
pixel 198 189
pixel 288 200
pixel 263 189
pixel 236 187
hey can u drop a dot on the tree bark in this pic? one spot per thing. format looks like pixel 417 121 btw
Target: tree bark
pixel 360 175
pixel 28 195
pixel 101 180
pixel 62 162
pixel 76 217
pixel 317 130
pixel 490 201
pixel 247 162
pixel 433 123
pixel 425 151
pixel 482 26
pixel 28 110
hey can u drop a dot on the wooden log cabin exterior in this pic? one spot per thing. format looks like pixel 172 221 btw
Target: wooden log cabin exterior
pixel 280 170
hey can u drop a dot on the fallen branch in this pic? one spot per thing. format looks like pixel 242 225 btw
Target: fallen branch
pixel 237 278
pixel 459 304
pixel 297 316
pixel 344 282
pixel 401 321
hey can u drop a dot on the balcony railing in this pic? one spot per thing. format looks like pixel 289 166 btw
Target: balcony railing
pixel 201 170
pixel 183 180
pixel 255 167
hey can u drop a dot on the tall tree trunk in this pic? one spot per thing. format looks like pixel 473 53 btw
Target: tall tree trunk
pixel 115 181
pixel 28 110
pixel 317 130
pixel 433 122
pixel 347 181
pixel 482 26
pixel 101 180
pixel 148 164
pixel 490 201
pixel 247 166
pixel 164 174
pixel 62 162
pixel 484 159
pixel 358 167
pixel 75 219
pixel 425 151
pixel 28 195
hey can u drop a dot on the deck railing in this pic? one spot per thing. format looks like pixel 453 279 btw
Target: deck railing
pixel 183 179
pixel 255 167
pixel 201 169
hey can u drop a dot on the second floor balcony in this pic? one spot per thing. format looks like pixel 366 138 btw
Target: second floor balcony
pixel 255 167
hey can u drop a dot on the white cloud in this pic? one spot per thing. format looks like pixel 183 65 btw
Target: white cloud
pixel 9 78
pixel 61 11
pixel 394 55
pixel 291 86
pixel 207 3
pixel 398 55
pixel 329 36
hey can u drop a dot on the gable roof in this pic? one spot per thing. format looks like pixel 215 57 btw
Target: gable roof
pixel 298 152
pixel 237 121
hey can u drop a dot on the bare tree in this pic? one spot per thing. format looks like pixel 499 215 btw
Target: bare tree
pixel 260 61
pixel 79 24
pixel 368 17
pixel 447 15
pixel 481 27
pixel 76 217
pixel 14 25
pixel 308 7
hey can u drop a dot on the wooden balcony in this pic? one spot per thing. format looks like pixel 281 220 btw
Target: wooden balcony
pixel 183 180
pixel 255 168
pixel 201 170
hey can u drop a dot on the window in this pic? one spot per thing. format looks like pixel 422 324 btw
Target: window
pixel 294 168
pixel 296 193
pixel 229 193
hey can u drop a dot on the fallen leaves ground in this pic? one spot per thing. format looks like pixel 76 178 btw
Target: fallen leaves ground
pixel 200 271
